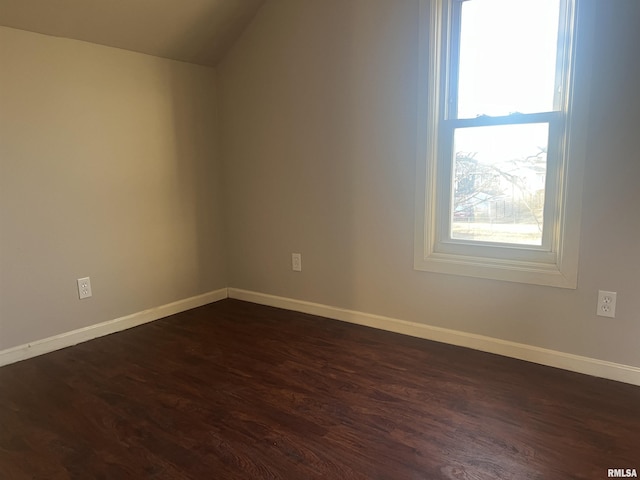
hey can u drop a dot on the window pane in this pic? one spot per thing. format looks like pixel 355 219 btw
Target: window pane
pixel 507 57
pixel 499 175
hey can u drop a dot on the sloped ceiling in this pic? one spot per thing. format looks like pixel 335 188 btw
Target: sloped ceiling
pixel 195 31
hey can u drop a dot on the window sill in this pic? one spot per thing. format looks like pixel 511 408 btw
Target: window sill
pixel 555 275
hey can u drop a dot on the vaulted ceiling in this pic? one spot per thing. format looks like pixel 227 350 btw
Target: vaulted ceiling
pixel 196 31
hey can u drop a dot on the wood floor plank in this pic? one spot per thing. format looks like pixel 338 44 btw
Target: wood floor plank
pixel 234 390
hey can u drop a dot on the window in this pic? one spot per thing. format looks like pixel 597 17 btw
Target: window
pixel 500 144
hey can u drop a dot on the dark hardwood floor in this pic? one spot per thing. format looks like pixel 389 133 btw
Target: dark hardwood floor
pixel 234 390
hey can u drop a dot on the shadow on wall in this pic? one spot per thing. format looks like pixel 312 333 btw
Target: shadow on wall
pixel 197 177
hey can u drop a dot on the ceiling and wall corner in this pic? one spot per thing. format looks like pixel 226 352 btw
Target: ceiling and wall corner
pixel 194 31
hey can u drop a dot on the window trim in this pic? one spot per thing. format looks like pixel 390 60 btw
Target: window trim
pixel 559 267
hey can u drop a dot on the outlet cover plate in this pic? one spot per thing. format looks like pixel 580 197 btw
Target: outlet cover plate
pixel 606 304
pixel 84 287
pixel 296 262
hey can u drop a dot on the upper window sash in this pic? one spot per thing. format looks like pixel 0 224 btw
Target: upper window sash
pixel 451 28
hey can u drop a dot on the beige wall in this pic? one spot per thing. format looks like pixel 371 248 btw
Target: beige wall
pixel 318 129
pixel 108 169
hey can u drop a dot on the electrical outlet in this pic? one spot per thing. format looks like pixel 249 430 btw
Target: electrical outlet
pixel 606 304
pixel 296 262
pixel 84 287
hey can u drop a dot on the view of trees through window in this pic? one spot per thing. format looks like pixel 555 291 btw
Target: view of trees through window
pixel 499 180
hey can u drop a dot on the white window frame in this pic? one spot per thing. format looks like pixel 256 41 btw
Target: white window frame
pixel 555 263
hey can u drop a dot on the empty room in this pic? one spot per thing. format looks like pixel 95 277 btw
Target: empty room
pixel 304 239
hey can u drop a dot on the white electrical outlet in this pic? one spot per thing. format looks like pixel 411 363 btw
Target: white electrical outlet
pixel 84 287
pixel 606 304
pixel 296 262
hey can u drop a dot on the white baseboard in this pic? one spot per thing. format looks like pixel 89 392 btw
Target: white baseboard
pixel 543 356
pixel 552 358
pixel 46 345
